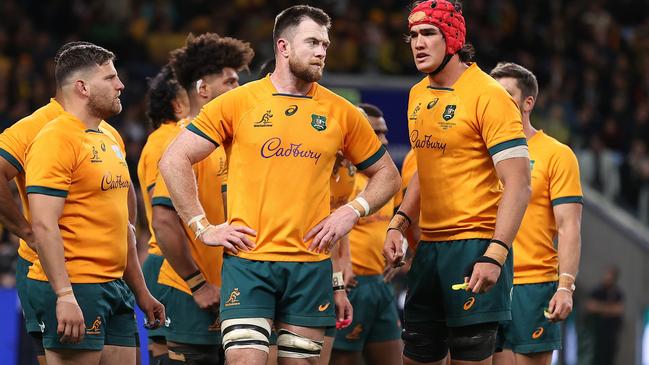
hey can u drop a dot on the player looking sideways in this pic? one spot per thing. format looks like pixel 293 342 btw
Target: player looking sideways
pixel 278 260
pixel 472 186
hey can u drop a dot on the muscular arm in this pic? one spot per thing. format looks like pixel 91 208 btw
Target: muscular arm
pixel 10 214
pixel 515 176
pixel 172 240
pixel 176 169
pixel 384 181
pixel 133 271
pixel 411 201
pixel 46 211
pixel 568 219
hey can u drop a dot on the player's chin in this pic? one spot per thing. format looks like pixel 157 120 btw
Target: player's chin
pixel 426 67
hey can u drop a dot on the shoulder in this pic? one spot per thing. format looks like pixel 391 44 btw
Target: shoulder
pixel 419 87
pixel 557 149
pixel 337 103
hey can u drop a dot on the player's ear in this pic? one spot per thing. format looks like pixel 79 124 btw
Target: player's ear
pixel 528 104
pixel 201 88
pixel 81 87
pixel 283 47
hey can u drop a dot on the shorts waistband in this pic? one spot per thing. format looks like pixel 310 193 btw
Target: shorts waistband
pixel 369 279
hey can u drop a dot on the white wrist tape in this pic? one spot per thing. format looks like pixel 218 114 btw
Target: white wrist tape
pixel 358 213
pixel 195 219
pixel 363 202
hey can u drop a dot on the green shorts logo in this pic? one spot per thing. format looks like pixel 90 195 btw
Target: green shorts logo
pixel 318 122
pixel 449 112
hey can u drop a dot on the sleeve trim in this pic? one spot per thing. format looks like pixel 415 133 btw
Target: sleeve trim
pixel 194 129
pixel 148 188
pixel 372 159
pixel 44 190
pixel 224 188
pixel 164 201
pixel 506 145
pixel 568 199
pixel 11 159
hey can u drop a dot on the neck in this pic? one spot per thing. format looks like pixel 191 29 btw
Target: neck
pixel 82 112
pixel 450 74
pixel 58 97
pixel 527 126
pixel 287 83
pixel 195 104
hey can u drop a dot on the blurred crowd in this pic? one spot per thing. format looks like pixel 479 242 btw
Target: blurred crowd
pixel 591 58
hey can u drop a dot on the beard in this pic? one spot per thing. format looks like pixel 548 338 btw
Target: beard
pixel 304 71
pixel 103 107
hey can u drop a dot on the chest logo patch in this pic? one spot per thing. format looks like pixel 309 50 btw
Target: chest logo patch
pixel 449 112
pixel 318 122
pixel 265 120
pixel 432 103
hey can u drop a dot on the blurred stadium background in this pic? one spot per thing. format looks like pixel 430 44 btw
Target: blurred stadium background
pixel 591 58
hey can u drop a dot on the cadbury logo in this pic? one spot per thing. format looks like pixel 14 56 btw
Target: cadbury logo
pixel 108 182
pixel 427 142
pixel 274 148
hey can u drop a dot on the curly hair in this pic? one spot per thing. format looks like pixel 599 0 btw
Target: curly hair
pixel 208 54
pixel 163 89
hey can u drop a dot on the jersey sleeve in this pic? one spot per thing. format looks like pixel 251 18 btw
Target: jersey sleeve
pixel 12 148
pixel 360 144
pixel 500 121
pixel 50 162
pixel 215 122
pixel 565 185
pixel 147 169
pixel 161 194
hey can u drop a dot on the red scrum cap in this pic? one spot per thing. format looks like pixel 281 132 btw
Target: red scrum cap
pixel 445 16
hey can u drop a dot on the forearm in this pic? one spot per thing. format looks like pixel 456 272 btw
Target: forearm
pixel 341 254
pixel 412 201
pixel 172 240
pixel 511 210
pixel 569 250
pixel 384 182
pixel 11 216
pixel 133 272
pixel 179 177
pixel 52 255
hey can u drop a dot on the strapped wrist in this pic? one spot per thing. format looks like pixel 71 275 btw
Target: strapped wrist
pixel 498 251
pixel 199 225
pixel 337 281
pixel 567 282
pixel 195 281
pixel 400 222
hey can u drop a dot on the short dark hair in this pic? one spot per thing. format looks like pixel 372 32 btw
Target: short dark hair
pixel 525 79
pixel 467 53
pixel 371 110
pixel 69 45
pixel 293 16
pixel 163 89
pixel 78 58
pixel 208 54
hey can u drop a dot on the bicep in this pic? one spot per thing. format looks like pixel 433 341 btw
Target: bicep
pixel 7 170
pixel 567 215
pixel 513 168
pixel 45 209
pixel 384 161
pixel 194 147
